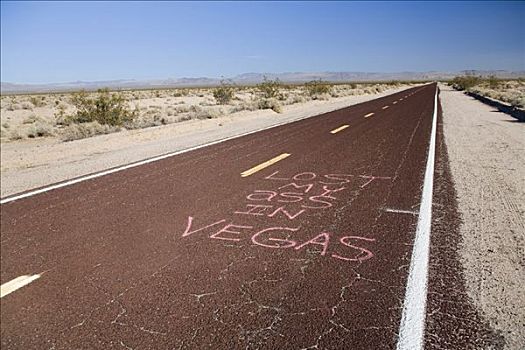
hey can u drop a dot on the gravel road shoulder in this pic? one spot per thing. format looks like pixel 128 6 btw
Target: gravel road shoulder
pixel 486 151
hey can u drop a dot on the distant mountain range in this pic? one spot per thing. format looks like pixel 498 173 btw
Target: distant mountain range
pixel 248 79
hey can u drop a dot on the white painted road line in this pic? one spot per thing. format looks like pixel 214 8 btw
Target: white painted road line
pixel 399 211
pixel 412 328
pixel 17 283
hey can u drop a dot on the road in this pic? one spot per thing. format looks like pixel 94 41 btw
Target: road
pixel 295 237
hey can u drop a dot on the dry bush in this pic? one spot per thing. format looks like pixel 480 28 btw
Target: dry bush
pixel 60 115
pixel 317 88
pixel 184 118
pixel 518 101
pixel 250 105
pixel 84 130
pixel 13 107
pixel 146 121
pixel 15 135
pixel 40 129
pixel 37 102
pixel 224 93
pixel 198 112
pixel 465 82
pixel 323 97
pixel 270 103
pixel 27 105
pixel 493 82
pixel 182 109
pixel 206 103
pixel 4 131
pixel 295 98
pixel 181 92
pixel 270 88
pixel 31 119
pixel 105 108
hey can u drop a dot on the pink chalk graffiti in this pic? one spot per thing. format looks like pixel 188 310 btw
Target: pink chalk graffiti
pixel 315 240
pixel 226 229
pixel 255 209
pixel 372 178
pixel 288 243
pixel 261 195
pixel 368 253
pixel 187 232
pixel 286 213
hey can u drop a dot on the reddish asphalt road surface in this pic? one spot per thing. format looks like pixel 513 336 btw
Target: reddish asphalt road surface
pixel 295 237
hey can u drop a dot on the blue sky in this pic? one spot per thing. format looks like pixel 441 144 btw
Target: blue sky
pixel 70 41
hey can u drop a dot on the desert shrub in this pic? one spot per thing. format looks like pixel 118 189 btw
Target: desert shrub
pixel 206 103
pixel 493 82
pixel 182 109
pixel 60 115
pixel 40 129
pixel 84 130
pixel 27 105
pixel 184 118
pixel 16 135
pixel 13 107
pixel 181 92
pixel 316 88
pixel 393 83
pixel 250 105
pixel 270 103
pixel 224 93
pixel 323 97
pixel 198 112
pixel 37 102
pixel 270 88
pixel 4 129
pixel 295 98
pixel 31 119
pixel 105 108
pixel 466 82
pixel 148 120
pixel 517 101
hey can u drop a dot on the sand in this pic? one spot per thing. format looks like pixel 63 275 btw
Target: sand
pixel 486 150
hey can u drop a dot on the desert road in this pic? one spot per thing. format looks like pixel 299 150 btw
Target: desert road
pixel 318 234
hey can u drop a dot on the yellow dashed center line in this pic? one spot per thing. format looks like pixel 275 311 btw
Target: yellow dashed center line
pixel 342 127
pixel 17 283
pixel 264 165
pixel 369 115
pixel 385 107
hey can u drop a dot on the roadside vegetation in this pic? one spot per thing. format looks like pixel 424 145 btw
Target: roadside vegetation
pixel 224 93
pixel 510 91
pixel 77 115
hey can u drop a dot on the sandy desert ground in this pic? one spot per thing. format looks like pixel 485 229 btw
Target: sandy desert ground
pixel 485 147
